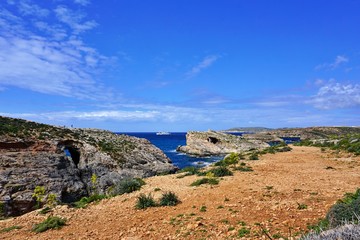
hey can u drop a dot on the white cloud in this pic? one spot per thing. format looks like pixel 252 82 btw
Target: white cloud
pixel 82 2
pixel 47 60
pixel 339 60
pixel 205 63
pixel 74 19
pixel 336 95
pixel 26 8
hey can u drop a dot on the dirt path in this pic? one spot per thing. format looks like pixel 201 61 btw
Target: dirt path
pixel 265 199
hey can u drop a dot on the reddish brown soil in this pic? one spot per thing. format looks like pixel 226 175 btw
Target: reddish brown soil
pixel 265 199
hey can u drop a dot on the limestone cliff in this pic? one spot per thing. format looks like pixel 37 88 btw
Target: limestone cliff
pixel 218 143
pixel 63 161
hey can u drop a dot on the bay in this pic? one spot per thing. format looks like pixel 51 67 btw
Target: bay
pixel 169 143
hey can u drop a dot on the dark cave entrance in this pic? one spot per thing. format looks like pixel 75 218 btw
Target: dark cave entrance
pixel 213 140
pixel 74 153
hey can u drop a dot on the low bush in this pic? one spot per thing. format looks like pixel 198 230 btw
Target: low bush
pixel 127 186
pixel 254 156
pixel 221 172
pixel 244 169
pixel 189 170
pixel 346 210
pixel 169 199
pixel 8 229
pixel 83 202
pixel 52 222
pixel 243 232
pixel 45 210
pixel 211 181
pixel 231 159
pixel 145 201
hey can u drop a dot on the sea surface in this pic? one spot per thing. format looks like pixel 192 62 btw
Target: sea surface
pixel 169 143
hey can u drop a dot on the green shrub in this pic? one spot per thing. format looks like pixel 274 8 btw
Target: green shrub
pixel 221 172
pixel 169 199
pixel 45 210
pixel 345 210
pixel 189 170
pixel 231 159
pixel 302 206
pixel 211 181
pixel 83 202
pixel 244 169
pixel 322 225
pixel 52 222
pixel 144 201
pixel 254 156
pixel 243 232
pixel 8 229
pixel 39 193
pixel 284 149
pixel 203 208
pixel 127 186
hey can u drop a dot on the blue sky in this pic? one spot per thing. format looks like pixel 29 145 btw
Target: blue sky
pixel 181 65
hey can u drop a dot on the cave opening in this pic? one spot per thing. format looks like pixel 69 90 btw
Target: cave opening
pixel 213 140
pixel 74 153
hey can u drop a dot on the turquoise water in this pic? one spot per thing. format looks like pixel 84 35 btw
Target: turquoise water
pixel 169 143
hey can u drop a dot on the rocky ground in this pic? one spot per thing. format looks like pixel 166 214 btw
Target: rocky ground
pixel 266 199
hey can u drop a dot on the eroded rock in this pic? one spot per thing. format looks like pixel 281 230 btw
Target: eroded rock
pixel 64 160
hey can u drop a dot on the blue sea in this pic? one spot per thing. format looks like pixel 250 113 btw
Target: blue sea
pixel 169 143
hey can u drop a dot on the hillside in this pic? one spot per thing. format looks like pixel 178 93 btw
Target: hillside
pixel 64 161
pixel 283 194
pixel 248 129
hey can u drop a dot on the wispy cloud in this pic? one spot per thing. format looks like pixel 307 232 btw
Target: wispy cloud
pixel 339 60
pixel 42 56
pixel 335 95
pixel 26 8
pixel 82 2
pixel 205 63
pixel 74 19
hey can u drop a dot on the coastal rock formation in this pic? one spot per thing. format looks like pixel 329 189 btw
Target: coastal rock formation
pixel 64 160
pixel 218 143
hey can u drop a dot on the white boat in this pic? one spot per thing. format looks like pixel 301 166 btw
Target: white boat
pixel 162 133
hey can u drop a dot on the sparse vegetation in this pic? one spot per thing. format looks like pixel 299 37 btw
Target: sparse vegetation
pixel 221 172
pixel 83 202
pixel 169 199
pixel 243 169
pixel 145 201
pixel 231 159
pixel 8 229
pixel 349 143
pixel 45 210
pixel 189 170
pixel 211 181
pixel 346 210
pixel 127 186
pixel 243 232
pixel 302 206
pixel 254 156
pixel 51 222
pixel 203 208
pixel 39 193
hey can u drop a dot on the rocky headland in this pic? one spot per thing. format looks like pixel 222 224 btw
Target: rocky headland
pixel 222 142
pixel 218 143
pixel 64 160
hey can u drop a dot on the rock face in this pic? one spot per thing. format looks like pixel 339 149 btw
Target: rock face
pixel 64 160
pixel 218 143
